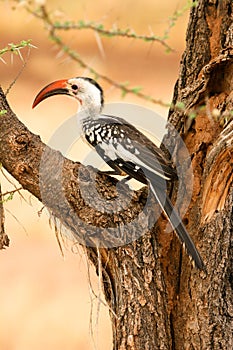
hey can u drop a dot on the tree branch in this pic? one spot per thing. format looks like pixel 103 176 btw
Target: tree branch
pixel 54 26
pixel 30 161
pixel 4 239
pixel 59 183
pixel 158 300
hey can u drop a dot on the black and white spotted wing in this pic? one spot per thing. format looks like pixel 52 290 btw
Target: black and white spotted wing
pixel 126 149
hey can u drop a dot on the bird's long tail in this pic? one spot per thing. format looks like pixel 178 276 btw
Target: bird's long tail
pixel 177 224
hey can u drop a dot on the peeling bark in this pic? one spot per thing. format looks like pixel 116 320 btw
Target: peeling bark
pixel 158 300
pixel 205 87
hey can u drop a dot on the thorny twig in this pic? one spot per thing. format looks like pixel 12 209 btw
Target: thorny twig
pixel 15 48
pixel 10 193
pixel 19 73
pixel 12 183
pixel 53 27
pixel 122 86
pixel 114 32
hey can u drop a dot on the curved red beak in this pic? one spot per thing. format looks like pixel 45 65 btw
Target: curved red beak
pixel 55 88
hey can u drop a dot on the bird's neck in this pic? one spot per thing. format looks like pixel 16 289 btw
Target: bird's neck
pixel 88 111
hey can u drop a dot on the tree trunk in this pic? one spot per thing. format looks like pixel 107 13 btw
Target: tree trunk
pixel 157 299
pixel 202 313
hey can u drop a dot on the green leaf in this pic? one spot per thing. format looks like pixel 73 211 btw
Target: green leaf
pixel 3 111
pixel 136 89
pixel 192 115
pixel 180 105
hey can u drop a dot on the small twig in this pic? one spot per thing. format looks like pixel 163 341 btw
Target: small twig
pixel 19 73
pixel 39 213
pixel 15 48
pixel 4 239
pixel 12 192
pixel 16 219
pixel 122 86
pixel 52 27
pixel 176 15
pixel 53 221
pixel 12 183
pixel 99 28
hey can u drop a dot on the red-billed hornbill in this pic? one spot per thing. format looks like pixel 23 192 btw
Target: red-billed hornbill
pixel 124 148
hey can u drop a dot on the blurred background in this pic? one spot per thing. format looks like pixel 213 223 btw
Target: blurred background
pixel 46 300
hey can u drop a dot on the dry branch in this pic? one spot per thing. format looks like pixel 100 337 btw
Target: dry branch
pixel 4 240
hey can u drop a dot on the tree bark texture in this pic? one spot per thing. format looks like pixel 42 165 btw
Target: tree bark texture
pixel 202 317
pixel 157 299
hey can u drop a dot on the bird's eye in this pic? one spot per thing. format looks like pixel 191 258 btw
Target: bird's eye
pixel 74 87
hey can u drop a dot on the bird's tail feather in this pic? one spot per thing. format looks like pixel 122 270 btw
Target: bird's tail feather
pixel 177 224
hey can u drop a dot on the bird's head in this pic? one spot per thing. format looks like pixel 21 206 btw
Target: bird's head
pixel 86 90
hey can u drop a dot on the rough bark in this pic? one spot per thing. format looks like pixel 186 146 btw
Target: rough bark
pixel 129 273
pixel 202 314
pixel 158 300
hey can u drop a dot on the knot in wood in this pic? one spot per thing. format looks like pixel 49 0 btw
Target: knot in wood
pixel 76 169
pixel 22 168
pixel 22 141
pixel 85 174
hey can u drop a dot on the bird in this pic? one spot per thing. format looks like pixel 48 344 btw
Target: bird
pixel 124 148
